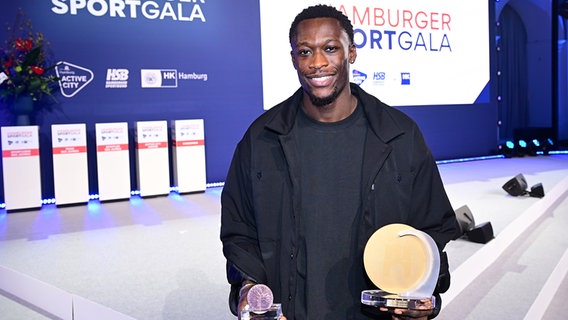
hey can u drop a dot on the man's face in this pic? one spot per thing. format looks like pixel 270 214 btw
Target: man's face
pixel 321 54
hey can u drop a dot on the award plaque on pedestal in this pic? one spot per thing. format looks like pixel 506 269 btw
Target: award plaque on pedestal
pixel 261 304
pixel 404 264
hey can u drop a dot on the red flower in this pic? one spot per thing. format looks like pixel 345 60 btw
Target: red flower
pixel 23 64
pixel 8 63
pixel 24 44
pixel 37 70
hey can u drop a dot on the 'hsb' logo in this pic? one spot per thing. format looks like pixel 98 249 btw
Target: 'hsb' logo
pixel 117 74
pixel 117 78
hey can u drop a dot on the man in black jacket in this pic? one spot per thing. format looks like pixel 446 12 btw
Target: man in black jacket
pixel 315 176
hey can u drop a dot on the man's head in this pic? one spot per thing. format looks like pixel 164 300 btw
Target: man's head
pixel 321 38
pixel 321 11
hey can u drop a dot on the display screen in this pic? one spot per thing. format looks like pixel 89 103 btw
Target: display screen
pixel 409 52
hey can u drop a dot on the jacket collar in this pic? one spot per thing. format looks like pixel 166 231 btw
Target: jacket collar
pixel 283 121
pixel 379 115
pixel 381 122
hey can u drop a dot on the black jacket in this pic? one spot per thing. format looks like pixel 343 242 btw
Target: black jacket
pixel 400 184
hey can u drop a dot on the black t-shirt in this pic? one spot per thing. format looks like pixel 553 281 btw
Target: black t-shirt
pixel 331 161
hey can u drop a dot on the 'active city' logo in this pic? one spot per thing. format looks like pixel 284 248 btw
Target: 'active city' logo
pixel 359 77
pixel 73 78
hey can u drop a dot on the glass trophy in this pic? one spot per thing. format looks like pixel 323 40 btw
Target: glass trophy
pixel 261 304
pixel 404 263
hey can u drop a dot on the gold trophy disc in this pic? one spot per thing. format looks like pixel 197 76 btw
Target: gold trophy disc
pixel 394 263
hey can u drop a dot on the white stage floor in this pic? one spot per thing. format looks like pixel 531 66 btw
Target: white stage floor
pixel 160 258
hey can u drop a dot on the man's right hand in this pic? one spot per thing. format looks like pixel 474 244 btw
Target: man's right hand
pixel 243 302
pixel 245 287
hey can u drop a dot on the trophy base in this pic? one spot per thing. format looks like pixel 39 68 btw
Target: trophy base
pixel 380 298
pixel 272 313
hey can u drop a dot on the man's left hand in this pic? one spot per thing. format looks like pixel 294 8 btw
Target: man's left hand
pixel 421 312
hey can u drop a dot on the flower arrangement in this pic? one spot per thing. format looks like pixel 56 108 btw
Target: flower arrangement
pixel 24 69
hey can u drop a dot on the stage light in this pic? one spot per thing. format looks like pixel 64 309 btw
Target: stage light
pixel 48 201
pixel 522 148
pixel 531 143
pixel 538 140
pixel 550 142
pixel 547 146
pixel 481 233
pixel 517 186
pixel 537 191
pixel 465 218
pixel 534 147
pixel 508 150
pixel 541 146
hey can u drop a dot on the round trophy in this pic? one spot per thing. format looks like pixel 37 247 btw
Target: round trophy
pixel 261 304
pixel 260 298
pixel 404 264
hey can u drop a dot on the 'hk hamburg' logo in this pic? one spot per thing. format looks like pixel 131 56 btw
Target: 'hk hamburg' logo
pixel 73 78
pixel 158 78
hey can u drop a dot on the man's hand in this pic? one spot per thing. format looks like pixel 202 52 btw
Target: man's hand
pixel 243 296
pixel 247 285
pixel 421 312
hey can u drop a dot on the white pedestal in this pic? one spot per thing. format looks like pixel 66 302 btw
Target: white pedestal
pixel 113 161
pixel 70 170
pixel 21 167
pixel 189 155
pixel 152 159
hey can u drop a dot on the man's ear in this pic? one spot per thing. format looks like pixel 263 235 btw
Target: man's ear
pixel 352 53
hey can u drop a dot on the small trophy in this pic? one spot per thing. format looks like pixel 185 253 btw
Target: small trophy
pixel 404 264
pixel 261 304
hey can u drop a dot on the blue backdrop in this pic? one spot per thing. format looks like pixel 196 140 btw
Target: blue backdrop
pixel 212 49
pixel 189 59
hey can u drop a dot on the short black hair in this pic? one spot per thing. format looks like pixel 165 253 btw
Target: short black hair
pixel 321 11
